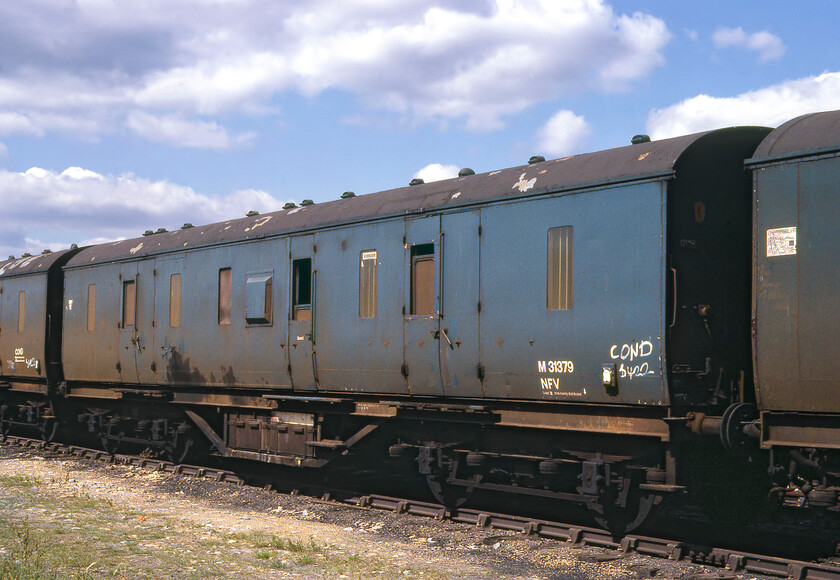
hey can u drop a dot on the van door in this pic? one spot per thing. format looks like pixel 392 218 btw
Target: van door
pixel 421 320
pixel 460 364
pixel 303 313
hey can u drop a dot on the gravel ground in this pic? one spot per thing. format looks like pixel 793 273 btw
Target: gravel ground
pixel 63 517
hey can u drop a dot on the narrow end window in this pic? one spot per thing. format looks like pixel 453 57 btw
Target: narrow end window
pixel 302 289
pixel 129 303
pixel 367 284
pixel 560 271
pixel 422 280
pixel 91 307
pixel 21 310
pixel 224 296
pixel 174 300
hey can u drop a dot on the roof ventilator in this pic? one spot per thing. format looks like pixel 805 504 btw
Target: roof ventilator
pixel 465 172
pixel 186 226
pixel 306 202
pixel 252 213
pixel 148 233
pixel 536 159
pixel 416 181
pixel 637 139
pixel 347 195
pixel 289 205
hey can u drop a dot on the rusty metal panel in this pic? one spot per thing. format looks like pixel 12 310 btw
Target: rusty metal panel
pixel 532 352
pixel 617 422
pixel 370 353
pixel 799 430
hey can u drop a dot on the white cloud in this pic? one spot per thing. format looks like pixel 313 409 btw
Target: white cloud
pixel 768 46
pixel 180 132
pixel 436 172
pixel 11 123
pixel 564 133
pixel 78 205
pixel 95 66
pixel 770 106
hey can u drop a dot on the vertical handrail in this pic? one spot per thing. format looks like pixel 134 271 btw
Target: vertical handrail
pixel 440 277
pixel 313 311
pixel 674 310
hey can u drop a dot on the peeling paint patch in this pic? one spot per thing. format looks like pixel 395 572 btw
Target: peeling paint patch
pixel 494 172
pixel 260 222
pixel 642 156
pixel 456 195
pixel 523 185
pixel 135 249
pixel 297 209
pixel 543 171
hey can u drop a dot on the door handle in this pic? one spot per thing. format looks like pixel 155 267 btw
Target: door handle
pixel 449 342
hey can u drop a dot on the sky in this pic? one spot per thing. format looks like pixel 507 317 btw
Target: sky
pixel 120 116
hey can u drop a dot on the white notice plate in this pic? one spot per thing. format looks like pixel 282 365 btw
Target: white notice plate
pixel 781 242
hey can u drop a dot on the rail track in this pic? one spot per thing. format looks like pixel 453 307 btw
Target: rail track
pixel 706 554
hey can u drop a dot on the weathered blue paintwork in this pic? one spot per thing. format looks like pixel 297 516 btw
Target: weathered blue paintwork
pixel 796 175
pixel 490 336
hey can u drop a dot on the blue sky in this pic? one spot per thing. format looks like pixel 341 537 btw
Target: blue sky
pixel 118 116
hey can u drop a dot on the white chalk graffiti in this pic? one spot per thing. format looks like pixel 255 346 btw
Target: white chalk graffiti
pixel 20 358
pixel 629 353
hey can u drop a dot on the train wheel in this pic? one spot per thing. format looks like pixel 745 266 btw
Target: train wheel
pixel 181 445
pixel 5 424
pixel 110 446
pixel 620 520
pixel 451 496
pixel 111 438
pixel 48 428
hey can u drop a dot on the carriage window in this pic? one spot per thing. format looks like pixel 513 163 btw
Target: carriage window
pixel 174 301
pixel 423 280
pixel 560 278
pixel 91 307
pixel 128 303
pixel 224 296
pixel 367 284
pixel 258 298
pixel 21 310
pixel 301 289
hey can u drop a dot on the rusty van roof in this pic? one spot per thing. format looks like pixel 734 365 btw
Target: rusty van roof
pixel 644 161
pixel 811 134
